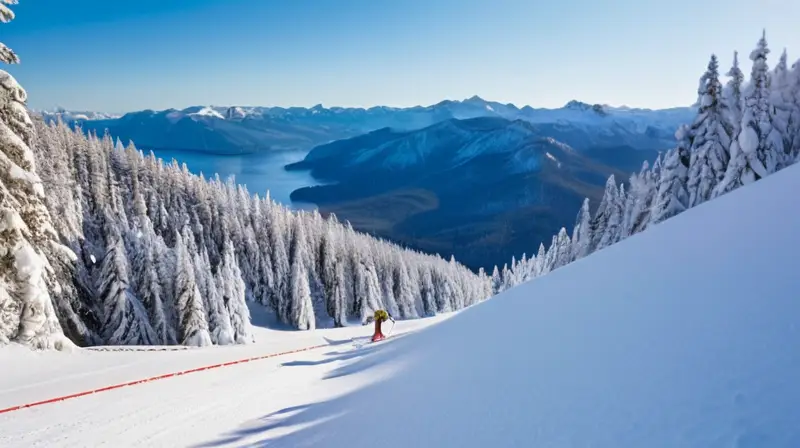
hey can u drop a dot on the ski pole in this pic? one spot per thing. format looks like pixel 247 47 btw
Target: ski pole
pixel 391 329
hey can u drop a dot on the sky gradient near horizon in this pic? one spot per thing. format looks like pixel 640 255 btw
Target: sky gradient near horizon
pixel 152 54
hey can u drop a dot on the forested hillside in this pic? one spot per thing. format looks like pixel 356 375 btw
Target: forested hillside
pixel 103 245
pixel 167 257
pixel 742 133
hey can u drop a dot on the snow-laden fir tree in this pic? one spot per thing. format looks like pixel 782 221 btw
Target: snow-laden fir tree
pixel 712 138
pixel 27 236
pixel 562 251
pixel 149 286
pixel 7 55
pixel 642 193
pixel 608 217
pixel 233 295
pixel 192 321
pixel 213 287
pixel 794 117
pixel 369 290
pixel 125 318
pixel 758 149
pixel 428 292
pixel 782 104
pixel 672 197
pixel 300 311
pixel 403 290
pixel 582 234
pixel 732 95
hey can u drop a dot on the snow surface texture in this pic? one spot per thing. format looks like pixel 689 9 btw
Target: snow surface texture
pixel 672 337
pixel 183 411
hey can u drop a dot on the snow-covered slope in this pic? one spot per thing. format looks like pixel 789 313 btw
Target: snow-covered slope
pixel 683 335
pixel 181 411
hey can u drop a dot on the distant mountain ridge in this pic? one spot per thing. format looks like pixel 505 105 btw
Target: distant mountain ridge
pixel 247 129
pixel 473 187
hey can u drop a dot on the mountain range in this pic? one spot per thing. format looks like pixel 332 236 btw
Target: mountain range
pixel 473 178
pixel 245 129
pixel 474 188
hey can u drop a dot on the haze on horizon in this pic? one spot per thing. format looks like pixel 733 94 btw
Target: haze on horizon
pixel 124 56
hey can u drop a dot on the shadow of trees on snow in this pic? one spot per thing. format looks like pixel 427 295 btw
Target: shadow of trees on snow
pixel 290 427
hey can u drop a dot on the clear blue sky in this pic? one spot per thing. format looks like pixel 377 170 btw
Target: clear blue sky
pixel 124 55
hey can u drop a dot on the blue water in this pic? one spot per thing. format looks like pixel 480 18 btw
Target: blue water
pixel 259 172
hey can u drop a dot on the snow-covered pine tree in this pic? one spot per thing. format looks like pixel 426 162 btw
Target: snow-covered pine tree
pixel 193 326
pixel 26 230
pixel 427 290
pixel 712 137
pixel 794 117
pixel 497 280
pixel 386 278
pixel 539 264
pixel 732 95
pixel 563 249
pixel 550 257
pixel 263 275
pixel 403 289
pixel 608 217
pixel 633 206
pixel 149 288
pixel 758 148
pixel 278 229
pixel 125 318
pixel 300 312
pixel 672 197
pixel 369 289
pixel 234 296
pixel 213 286
pixel 332 281
pixel 782 104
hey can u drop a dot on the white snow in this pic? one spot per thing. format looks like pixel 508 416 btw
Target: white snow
pixel 193 409
pixel 677 336
pixel 208 112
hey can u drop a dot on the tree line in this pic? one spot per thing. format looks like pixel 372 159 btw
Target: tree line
pixel 743 132
pixel 163 256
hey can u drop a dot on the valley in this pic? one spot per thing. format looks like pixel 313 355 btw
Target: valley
pixel 482 190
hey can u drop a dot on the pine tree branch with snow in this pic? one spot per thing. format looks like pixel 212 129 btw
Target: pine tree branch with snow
pixel 27 314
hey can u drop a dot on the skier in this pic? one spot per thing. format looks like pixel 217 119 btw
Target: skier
pixel 380 317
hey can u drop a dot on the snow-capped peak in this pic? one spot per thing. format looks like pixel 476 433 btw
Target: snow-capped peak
pixel 207 112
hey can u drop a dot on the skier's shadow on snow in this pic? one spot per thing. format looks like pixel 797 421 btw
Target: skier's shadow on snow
pixel 308 415
pixel 334 356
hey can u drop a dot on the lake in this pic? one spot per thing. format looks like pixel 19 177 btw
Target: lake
pixel 259 172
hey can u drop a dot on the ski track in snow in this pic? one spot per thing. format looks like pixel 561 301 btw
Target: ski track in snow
pixel 180 411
